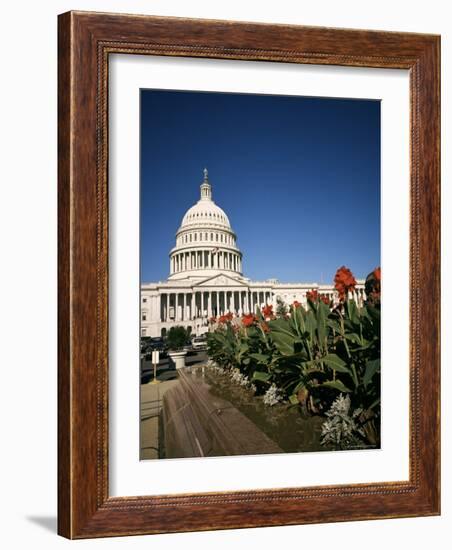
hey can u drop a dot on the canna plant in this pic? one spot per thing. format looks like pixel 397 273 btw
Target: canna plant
pixel 313 354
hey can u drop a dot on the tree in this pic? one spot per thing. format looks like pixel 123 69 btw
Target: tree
pixel 178 337
pixel 281 308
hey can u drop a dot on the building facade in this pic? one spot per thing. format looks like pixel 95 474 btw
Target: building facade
pixel 206 277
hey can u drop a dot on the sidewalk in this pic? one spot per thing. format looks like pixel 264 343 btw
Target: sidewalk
pixel 151 405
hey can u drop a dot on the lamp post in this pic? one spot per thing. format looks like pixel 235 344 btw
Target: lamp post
pixel 155 360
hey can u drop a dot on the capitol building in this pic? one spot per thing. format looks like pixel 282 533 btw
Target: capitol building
pixel 206 276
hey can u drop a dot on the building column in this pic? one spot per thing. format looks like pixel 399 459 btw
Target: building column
pixel 168 304
pixel 157 307
pixel 209 305
pixel 176 307
pixel 187 307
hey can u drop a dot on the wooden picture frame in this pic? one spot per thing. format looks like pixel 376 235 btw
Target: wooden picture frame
pixel 85 42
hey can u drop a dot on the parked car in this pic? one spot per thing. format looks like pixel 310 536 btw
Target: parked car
pixel 199 343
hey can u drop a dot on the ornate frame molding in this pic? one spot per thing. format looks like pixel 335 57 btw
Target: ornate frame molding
pixel 85 42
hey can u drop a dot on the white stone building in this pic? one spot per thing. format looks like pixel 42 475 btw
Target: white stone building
pixel 206 278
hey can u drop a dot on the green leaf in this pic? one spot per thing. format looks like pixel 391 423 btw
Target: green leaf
pixel 282 325
pixel 371 368
pixel 352 311
pixel 260 357
pixel 337 385
pixel 261 376
pixel 283 342
pixel 311 324
pixel 322 313
pixel 353 337
pixel 335 362
pixel 298 318
pixel 332 323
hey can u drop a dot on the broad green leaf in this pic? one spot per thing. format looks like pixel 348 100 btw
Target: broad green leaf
pixel 335 362
pixel 322 314
pixel 332 323
pixel 337 385
pixel 311 324
pixel 353 337
pixel 260 357
pixel 281 325
pixel 283 341
pixel 352 311
pixel 371 368
pixel 261 376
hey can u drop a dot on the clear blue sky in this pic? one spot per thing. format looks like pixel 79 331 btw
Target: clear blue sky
pixel 298 177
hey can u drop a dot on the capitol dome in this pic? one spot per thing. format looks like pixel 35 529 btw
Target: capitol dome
pixel 205 242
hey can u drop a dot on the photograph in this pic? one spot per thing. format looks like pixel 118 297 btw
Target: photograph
pixel 260 274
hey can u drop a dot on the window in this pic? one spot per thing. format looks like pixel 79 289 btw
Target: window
pixel 145 300
pixel 144 316
pixel 143 332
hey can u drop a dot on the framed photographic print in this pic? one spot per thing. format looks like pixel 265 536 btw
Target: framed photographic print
pixel 248 275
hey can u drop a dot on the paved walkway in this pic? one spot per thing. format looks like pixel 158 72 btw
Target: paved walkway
pixel 151 405
pixel 151 401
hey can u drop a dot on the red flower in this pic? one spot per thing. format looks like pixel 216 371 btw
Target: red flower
pixel 325 299
pixel 344 282
pixel 373 289
pixel 225 318
pixel 264 326
pixel 296 304
pixel 248 320
pixel 213 320
pixel 312 295
pixel 267 311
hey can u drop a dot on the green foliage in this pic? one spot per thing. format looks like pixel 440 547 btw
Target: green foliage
pixel 281 309
pixel 178 337
pixel 314 355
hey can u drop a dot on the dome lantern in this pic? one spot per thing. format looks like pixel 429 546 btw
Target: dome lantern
pixel 206 188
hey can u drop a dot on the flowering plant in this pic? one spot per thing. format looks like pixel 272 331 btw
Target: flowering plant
pixel 311 355
pixel 344 282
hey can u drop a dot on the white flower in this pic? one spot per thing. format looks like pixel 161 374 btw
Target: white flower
pixel 273 395
pixel 340 428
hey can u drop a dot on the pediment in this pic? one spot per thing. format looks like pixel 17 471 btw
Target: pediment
pixel 221 280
